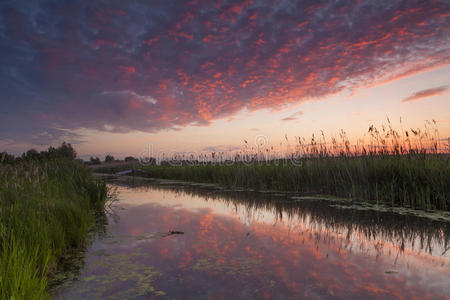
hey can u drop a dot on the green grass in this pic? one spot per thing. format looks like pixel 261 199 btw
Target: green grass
pixel 417 181
pixel 47 209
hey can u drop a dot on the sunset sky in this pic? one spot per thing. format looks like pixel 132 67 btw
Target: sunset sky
pixel 113 77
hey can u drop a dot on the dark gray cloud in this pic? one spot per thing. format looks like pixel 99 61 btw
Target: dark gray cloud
pixel 293 117
pixel 221 148
pixel 119 66
pixel 440 90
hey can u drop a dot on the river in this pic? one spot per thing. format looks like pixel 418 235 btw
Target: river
pixel 183 242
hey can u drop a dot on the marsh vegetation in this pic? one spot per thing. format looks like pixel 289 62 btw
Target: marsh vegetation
pixel 408 168
pixel 48 203
pixel 49 200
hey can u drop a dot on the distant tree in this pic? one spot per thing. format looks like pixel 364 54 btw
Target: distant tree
pixel 44 155
pixel 94 161
pixel 52 152
pixel 31 154
pixel 66 150
pixel 6 158
pixel 109 158
pixel 130 159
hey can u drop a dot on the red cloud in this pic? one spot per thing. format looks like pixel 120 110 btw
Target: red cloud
pixel 128 69
pixel 201 61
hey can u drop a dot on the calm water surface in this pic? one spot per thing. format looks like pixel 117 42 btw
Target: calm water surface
pixel 240 245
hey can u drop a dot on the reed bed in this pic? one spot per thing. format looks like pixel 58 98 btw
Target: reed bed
pixel 407 168
pixel 47 208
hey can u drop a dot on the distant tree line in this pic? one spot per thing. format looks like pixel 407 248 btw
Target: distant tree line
pixel 64 151
pixel 94 160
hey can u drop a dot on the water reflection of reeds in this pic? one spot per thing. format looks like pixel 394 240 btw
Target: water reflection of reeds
pixel 323 221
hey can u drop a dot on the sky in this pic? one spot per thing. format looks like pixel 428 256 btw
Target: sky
pixel 120 77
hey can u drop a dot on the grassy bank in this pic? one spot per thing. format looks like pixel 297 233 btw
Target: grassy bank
pixel 417 181
pixel 47 208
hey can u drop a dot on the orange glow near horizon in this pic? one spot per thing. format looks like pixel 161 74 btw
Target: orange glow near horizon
pixel 353 113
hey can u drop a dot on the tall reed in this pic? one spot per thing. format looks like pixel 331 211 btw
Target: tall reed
pixel 407 168
pixel 46 210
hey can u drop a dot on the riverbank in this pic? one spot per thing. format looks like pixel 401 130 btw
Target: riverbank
pixel 47 208
pixel 416 181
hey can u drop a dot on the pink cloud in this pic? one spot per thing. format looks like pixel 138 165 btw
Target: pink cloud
pixel 153 66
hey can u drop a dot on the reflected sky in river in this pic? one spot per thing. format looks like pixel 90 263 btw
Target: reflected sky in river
pixel 253 246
